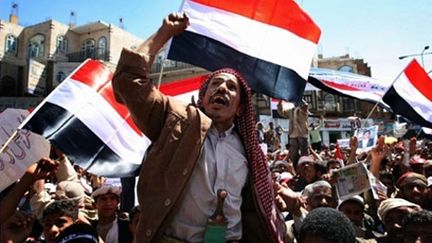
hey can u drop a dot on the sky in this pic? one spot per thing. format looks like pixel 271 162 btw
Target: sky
pixel 378 31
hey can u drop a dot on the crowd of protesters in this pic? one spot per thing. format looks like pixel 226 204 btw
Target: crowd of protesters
pixel 214 145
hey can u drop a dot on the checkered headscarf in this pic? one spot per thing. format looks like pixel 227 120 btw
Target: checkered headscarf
pixel 245 125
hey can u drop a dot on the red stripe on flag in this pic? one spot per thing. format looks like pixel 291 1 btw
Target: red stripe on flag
pixel 94 74
pixel 283 14
pixel 339 86
pixel 182 86
pixel 419 79
pixel 98 77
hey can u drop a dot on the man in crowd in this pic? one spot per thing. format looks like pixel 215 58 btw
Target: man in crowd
pixel 354 209
pixel 413 187
pixel 110 227
pixel 196 151
pixel 298 128
pixel 391 212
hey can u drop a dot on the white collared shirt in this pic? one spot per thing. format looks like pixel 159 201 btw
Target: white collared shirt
pixel 221 165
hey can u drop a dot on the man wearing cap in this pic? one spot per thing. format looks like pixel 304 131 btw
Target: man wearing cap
pixel 197 150
pixel 109 226
pixel 309 171
pixel 413 187
pixel 353 208
pixel 391 212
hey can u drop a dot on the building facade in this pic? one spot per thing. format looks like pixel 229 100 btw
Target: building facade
pixel 34 59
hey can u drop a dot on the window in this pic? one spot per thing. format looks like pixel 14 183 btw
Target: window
pixel 346 68
pixel 11 44
pixel 36 46
pixel 62 44
pixel 102 48
pixel 349 104
pixel 88 48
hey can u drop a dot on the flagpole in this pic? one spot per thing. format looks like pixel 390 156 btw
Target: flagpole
pixel 389 87
pixel 160 74
pixel 12 137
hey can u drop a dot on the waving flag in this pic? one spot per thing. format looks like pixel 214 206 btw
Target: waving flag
pixel 270 42
pixel 411 95
pixel 347 84
pixel 82 119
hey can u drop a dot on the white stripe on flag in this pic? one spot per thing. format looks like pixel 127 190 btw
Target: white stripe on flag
pixel 414 97
pixel 252 37
pixel 100 117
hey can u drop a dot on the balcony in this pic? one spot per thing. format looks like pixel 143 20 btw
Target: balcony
pixel 93 54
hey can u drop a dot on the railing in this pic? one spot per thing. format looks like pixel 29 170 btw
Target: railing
pixel 83 55
pixel 170 66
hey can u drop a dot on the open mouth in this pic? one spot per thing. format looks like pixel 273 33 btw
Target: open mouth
pixel 219 100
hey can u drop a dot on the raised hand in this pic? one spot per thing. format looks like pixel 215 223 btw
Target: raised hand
pixel 42 169
pixel 175 23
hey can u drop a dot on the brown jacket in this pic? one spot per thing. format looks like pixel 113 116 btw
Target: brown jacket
pixel 177 133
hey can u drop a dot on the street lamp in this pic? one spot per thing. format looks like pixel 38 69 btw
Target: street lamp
pixel 422 53
pixel 416 55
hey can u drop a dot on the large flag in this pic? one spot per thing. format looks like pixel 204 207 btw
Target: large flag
pixel 82 119
pixel 270 42
pixel 411 95
pixel 347 84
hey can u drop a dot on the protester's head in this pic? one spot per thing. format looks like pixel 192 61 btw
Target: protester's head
pixel 223 97
pixel 78 233
pixel 134 216
pixel 57 216
pixel 392 211
pixel 353 208
pixel 417 227
pixel 107 199
pixel 413 187
pixel 307 168
pixel 319 194
pixel 333 164
pixel 326 225
pixel 72 190
pixel 260 126
pixel 280 166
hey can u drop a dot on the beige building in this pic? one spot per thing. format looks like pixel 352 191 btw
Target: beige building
pixel 33 59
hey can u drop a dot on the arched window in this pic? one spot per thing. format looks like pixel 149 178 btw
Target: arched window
pixel 36 46
pixel 346 68
pixel 102 48
pixel 62 44
pixel 88 48
pixel 11 44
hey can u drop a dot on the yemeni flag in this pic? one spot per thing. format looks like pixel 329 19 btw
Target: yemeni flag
pixel 347 84
pixel 82 119
pixel 411 95
pixel 270 42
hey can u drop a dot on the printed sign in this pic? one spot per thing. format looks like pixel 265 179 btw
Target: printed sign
pixel 367 137
pixel 352 180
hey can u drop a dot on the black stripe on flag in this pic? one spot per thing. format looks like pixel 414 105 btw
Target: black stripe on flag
pixel 402 107
pixel 78 142
pixel 262 76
